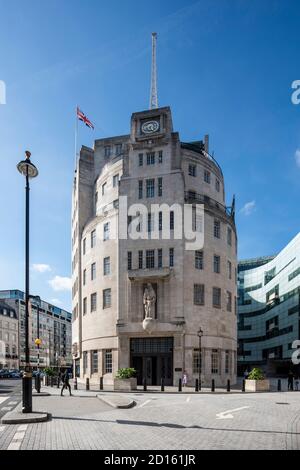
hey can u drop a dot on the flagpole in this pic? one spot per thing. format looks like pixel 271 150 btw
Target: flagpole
pixel 76 135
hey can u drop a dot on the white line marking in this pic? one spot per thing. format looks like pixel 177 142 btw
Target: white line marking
pixel 14 446
pixel 12 402
pixel 19 436
pixel 2 428
pixel 188 399
pixel 2 399
pixel 6 408
pixel 23 427
pixel 145 403
pixel 227 414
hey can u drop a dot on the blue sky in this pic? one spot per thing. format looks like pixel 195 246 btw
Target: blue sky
pixel 224 66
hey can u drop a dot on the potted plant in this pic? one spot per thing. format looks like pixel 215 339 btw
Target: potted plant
pixel 256 381
pixel 125 379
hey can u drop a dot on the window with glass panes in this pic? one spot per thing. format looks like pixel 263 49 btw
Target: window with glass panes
pixel 108 361
pixel 199 259
pixel 217 229
pixel 106 266
pixel 107 151
pixel 107 298
pixel 160 156
pixel 84 306
pixel 93 302
pixel 129 260
pixel 172 220
pixel 217 185
pixel 215 361
pixel 84 246
pixel 160 221
pixel 118 149
pixel 104 188
pixel 159 255
pixel 217 264
pixel 150 262
pixel 199 298
pixel 229 302
pixel 84 277
pixel 229 236
pixel 192 170
pixel 93 271
pixel 140 189
pixel 196 361
pixel 141 159
pixel 94 360
pixel 229 267
pixel 150 185
pixel 171 257
pixel 160 187
pixel 207 176
pixel 115 180
pixel 93 238
pixel 141 259
pixel 106 231
pixel 227 362
pixel 150 222
pixel 216 297
pixel 151 158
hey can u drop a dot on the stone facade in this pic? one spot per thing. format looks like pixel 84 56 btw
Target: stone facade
pixel 9 337
pixel 110 271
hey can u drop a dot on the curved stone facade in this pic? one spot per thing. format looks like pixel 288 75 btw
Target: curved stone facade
pixel 192 290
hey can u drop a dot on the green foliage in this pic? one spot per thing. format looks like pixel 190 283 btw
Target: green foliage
pixel 256 374
pixel 126 373
pixel 49 371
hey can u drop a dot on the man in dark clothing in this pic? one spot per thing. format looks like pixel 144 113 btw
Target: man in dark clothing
pixel 290 380
pixel 66 383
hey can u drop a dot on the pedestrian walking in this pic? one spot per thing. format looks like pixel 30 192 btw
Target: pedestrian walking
pixel 290 380
pixel 66 383
pixel 184 379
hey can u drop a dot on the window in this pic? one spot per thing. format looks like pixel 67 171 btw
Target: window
pixel 216 297
pixel 107 298
pixel 171 257
pixel 106 231
pixel 160 186
pixel 159 258
pixel 217 263
pixel 160 156
pixel 84 277
pixel 192 170
pixel 116 204
pixel 115 180
pixel 84 306
pixel 215 361
pixel 93 238
pixel 150 188
pixel 94 365
pixel 217 185
pixel 106 266
pixel 229 302
pixel 93 302
pixel 229 236
pixel 150 222
pixel 103 188
pixel 85 361
pixel 160 219
pixel 108 361
pixel 141 259
pixel 199 259
pixel 150 259
pixel 107 150
pixel 140 189
pixel 229 267
pixel 141 159
pixel 118 149
pixel 93 271
pixel 129 260
pixel 207 176
pixel 172 220
pixel 197 359
pixel 227 362
pixel 84 246
pixel 151 158
pixel 217 229
pixel 96 198
pixel 199 294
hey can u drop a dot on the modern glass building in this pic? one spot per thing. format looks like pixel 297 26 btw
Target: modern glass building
pixel 269 310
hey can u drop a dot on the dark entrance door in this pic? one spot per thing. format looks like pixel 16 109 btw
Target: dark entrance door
pixel 153 359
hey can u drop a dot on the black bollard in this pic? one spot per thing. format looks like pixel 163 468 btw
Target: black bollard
pixel 101 383
pixel 87 384
pixel 213 385
pixel 51 381
pixel 228 385
pixel 162 387
pixel 58 381
pixel 75 384
pixel 38 383
pixel 279 385
pixel 47 380
pixel 180 385
pixel 244 386
pixel 145 385
pixel 197 385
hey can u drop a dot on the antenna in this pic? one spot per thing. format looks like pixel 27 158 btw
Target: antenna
pixel 153 92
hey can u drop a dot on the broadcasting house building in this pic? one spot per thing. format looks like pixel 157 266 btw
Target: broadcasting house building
pixel 150 303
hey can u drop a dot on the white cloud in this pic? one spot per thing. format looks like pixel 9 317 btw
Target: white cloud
pixel 297 157
pixel 248 208
pixel 59 283
pixel 41 268
pixel 56 302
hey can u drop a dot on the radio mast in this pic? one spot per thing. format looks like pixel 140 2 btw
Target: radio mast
pixel 153 93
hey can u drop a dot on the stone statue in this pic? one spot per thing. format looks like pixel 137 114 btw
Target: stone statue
pixel 149 300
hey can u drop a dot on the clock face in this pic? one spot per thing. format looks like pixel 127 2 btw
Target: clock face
pixel 149 127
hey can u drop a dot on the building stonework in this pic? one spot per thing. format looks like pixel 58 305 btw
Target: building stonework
pixel 110 274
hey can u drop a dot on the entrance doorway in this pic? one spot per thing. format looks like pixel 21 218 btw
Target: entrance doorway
pixel 152 358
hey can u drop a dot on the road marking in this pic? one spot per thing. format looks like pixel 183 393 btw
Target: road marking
pixel 13 403
pixel 19 436
pixel 2 399
pixel 6 408
pixel 23 427
pixel 188 399
pixel 2 428
pixel 227 414
pixel 145 403
pixel 14 446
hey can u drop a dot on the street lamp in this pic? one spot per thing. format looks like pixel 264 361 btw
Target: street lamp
pixel 200 334
pixel 27 169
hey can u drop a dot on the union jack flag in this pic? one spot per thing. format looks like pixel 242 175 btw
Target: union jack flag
pixel 82 117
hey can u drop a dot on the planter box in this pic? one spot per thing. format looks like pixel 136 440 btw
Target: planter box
pixel 125 384
pixel 257 386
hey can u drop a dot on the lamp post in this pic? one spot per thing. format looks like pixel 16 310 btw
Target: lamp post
pixel 200 334
pixel 27 169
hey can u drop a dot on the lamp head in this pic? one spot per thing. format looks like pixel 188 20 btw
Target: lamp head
pixel 26 168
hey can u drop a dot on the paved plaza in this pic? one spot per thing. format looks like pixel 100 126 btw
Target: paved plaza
pixel 169 421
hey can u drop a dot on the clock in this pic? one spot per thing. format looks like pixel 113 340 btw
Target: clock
pixel 149 127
